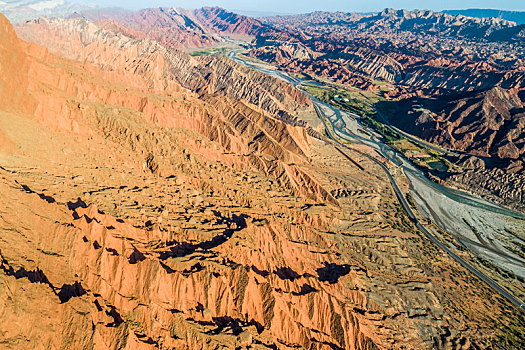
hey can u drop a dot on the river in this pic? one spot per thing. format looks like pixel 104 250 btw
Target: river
pixel 486 229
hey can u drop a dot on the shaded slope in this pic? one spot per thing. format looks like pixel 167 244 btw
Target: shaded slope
pixel 489 123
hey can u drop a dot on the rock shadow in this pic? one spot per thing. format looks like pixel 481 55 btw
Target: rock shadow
pixel 332 272
pixel 136 256
pixel 184 248
pixel 48 199
pixel 305 290
pixel 64 294
pixel 286 273
pixel 69 291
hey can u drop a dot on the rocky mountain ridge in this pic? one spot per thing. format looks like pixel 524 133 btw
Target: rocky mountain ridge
pixel 514 16
pixel 490 123
pixel 415 22
pixel 421 49
pixel 23 10
pixel 178 28
pixel 487 126
pixel 89 41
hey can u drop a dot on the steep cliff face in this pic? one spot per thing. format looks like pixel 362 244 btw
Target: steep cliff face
pixel 138 214
pixel 13 63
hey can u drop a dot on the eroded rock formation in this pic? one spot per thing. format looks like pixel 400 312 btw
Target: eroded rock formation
pixel 141 209
pixel 177 28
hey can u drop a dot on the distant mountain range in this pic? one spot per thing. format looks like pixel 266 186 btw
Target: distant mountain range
pixel 22 10
pixel 176 28
pixel 391 21
pixel 514 16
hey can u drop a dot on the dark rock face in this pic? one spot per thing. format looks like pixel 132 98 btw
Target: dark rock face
pixel 489 123
pixel 499 185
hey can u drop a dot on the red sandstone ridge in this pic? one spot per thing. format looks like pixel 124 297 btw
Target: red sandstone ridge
pixel 218 20
pixel 84 40
pixel 178 28
pixel 12 65
pixel 489 123
pixel 141 209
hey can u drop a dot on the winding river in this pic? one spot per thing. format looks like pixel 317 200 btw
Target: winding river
pixel 484 228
